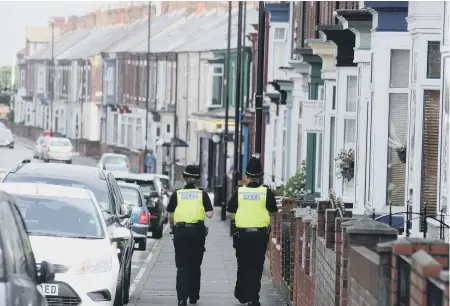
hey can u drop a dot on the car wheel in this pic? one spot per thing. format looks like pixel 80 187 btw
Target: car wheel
pixel 126 290
pixel 118 300
pixel 68 161
pixel 142 245
pixel 46 160
pixel 157 232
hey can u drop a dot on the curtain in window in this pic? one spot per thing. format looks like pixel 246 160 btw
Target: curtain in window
pixel 349 133
pixel 430 147
pixel 352 92
pixel 399 77
pixel 398 129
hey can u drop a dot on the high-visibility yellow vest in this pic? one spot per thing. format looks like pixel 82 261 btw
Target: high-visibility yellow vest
pixel 190 207
pixel 252 210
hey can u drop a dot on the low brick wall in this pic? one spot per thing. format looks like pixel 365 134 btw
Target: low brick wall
pixel 320 256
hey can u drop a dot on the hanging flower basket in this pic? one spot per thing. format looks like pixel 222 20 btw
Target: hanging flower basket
pixel 345 164
pixel 401 152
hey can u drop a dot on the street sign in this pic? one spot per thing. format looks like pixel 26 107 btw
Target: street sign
pixel 313 116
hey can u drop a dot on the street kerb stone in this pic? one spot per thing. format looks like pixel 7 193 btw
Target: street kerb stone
pixel 157 285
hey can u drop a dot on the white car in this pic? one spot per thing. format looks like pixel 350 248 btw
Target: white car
pixel 114 162
pixel 66 227
pixel 57 148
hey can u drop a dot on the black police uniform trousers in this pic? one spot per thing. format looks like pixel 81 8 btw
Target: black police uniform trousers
pixel 250 253
pixel 189 243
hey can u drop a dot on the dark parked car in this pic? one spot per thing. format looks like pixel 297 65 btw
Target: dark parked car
pixel 152 197
pixel 105 189
pixel 20 280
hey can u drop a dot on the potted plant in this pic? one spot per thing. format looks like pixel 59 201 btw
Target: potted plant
pixel 345 164
pixel 397 145
pixel 296 185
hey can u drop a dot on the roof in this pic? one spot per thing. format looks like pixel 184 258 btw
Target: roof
pixel 59 170
pixel 129 185
pixel 133 176
pixel 158 25
pixel 41 34
pixel 113 155
pixel 98 40
pixel 62 44
pixel 46 190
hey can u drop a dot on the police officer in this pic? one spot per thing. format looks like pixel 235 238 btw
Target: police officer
pixel 251 206
pixel 187 210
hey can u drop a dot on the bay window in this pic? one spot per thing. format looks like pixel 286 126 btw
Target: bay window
pixel 283 155
pixel 350 126
pixel 115 139
pixel 130 134
pixel 445 133
pixel 123 130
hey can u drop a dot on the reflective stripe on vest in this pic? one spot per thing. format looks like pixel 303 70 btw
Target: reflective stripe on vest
pixel 252 211
pixel 189 206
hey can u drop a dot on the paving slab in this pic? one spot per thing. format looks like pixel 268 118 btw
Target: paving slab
pixel 157 285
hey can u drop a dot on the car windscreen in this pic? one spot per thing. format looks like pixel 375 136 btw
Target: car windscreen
pixel 97 186
pixel 60 143
pixel 130 195
pixel 60 217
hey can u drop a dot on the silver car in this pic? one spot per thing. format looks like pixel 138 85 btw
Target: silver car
pixel 6 138
pixel 114 162
pixel 58 149
pixel 37 151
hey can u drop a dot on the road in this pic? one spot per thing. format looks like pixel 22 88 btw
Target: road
pixel 23 149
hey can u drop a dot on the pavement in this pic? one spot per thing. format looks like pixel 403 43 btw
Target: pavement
pixel 157 284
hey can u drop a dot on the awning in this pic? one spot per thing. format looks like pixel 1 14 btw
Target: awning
pixel 174 142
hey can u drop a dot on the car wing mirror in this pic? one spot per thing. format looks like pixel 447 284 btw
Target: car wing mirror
pixel 46 273
pixel 125 211
pixel 119 234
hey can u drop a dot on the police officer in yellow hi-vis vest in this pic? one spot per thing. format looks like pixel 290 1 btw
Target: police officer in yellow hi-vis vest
pixel 187 210
pixel 251 206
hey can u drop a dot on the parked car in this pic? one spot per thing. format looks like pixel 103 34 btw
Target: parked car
pixel 38 146
pixel 114 162
pixel 6 138
pixel 58 149
pixel 3 126
pixel 67 220
pixel 105 189
pixel 140 216
pixel 152 197
pixel 165 181
pixel 22 282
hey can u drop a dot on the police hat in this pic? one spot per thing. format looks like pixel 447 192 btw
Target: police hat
pixel 192 171
pixel 254 168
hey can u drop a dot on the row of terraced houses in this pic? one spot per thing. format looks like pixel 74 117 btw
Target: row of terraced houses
pixel 338 75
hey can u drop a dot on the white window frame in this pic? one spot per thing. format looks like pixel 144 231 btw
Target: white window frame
pixel 329 114
pixel 319 152
pixel 210 83
pixel 109 81
pixel 284 38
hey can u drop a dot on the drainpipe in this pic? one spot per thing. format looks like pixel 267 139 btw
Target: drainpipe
pixel 175 120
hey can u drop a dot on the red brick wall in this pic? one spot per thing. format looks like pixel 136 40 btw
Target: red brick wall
pixel 345 264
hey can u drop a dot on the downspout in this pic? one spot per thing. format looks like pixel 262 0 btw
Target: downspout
pixel 175 121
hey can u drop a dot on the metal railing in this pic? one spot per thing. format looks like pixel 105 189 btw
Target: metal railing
pixel 404 273
pixel 435 295
pixel 423 216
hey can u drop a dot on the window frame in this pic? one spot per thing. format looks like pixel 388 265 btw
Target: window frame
pixel 212 75
pixel 284 38
pixel 438 58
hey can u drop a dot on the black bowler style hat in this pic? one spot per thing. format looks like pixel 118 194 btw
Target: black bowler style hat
pixel 254 168
pixel 192 171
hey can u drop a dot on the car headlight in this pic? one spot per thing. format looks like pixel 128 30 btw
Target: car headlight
pixel 95 266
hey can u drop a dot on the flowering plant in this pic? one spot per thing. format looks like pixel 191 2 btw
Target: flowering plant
pixel 345 164
pixel 296 185
pixel 397 145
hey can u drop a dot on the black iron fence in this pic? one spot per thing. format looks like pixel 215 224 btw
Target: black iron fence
pixel 411 216
pixel 435 294
pixel 404 274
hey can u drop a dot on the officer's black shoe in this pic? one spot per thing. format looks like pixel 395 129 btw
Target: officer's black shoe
pixel 192 301
pixel 182 302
